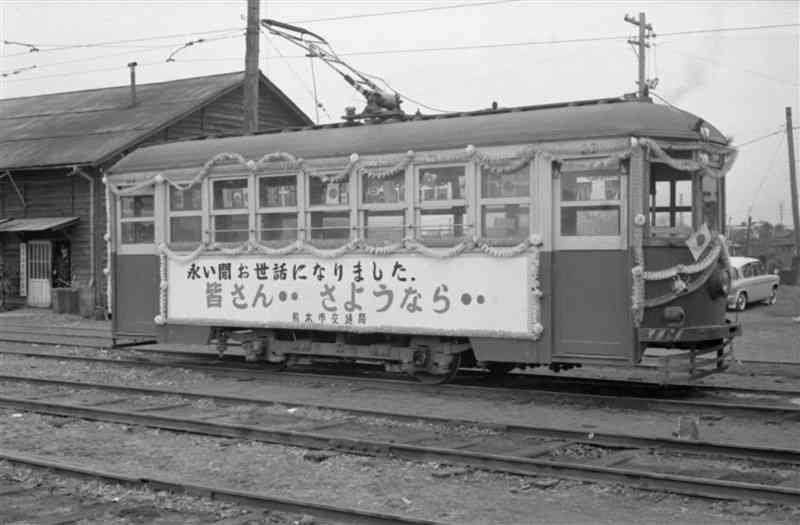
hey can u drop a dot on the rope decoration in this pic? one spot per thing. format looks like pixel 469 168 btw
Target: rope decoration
pixel 407 245
pixel 657 154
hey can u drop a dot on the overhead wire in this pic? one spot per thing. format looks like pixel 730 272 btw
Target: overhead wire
pixel 767 172
pixel 296 75
pixel 404 11
pixel 758 139
pixel 44 48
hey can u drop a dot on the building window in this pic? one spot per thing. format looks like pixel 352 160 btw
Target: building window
pixel 185 215
pixel 591 204
pixel 670 202
pixel 230 216
pixel 441 218
pixel 136 219
pixel 277 208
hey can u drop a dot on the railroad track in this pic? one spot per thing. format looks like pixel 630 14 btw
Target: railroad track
pixel 736 400
pixel 331 513
pixel 759 473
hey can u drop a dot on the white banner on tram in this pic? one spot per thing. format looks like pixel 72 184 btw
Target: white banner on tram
pixel 468 294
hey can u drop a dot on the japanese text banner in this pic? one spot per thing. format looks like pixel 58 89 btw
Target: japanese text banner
pixel 464 295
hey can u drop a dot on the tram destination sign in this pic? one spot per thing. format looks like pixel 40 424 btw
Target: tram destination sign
pixel 470 294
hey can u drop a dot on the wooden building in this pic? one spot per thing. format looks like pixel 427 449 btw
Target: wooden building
pixel 54 149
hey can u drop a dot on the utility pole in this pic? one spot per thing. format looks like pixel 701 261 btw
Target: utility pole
pixel 747 236
pixel 793 185
pixel 251 73
pixel 645 31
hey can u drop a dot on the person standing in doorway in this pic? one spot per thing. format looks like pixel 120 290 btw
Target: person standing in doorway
pixel 62 276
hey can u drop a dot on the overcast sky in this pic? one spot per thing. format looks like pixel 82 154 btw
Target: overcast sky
pixel 740 81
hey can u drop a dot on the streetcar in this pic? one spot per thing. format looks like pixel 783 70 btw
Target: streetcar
pixel 561 235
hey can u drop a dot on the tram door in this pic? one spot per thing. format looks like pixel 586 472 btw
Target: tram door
pixel 591 284
pixel 40 269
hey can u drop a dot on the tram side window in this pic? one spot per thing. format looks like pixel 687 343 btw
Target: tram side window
pixel 329 211
pixel 442 204
pixel 277 208
pixel 136 219
pixel 383 204
pixel 505 205
pixel 185 215
pixel 230 217
pixel 590 203
pixel 671 202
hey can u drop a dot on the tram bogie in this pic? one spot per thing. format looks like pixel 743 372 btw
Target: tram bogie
pixel 558 236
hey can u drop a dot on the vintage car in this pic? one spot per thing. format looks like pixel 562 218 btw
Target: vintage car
pixel 750 283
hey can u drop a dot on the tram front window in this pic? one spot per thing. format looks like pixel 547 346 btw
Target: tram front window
pixel 670 202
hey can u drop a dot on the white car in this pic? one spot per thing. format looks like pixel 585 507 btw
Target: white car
pixel 751 283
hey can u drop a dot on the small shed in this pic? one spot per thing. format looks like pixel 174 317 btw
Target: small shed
pixel 54 149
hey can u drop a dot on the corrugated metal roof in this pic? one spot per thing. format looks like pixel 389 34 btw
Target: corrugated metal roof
pixel 36 225
pixel 619 119
pixel 86 127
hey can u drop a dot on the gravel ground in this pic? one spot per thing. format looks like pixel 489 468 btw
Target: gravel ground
pixel 129 506
pixel 501 408
pixel 430 490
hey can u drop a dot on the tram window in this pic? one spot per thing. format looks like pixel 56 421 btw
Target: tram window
pixel 278 226
pixel 442 183
pixel 579 186
pixel 231 221
pixel 590 220
pixel 136 219
pixel 330 226
pixel 384 225
pixel 671 202
pixel 386 190
pixel 185 218
pixel 516 184
pixel 511 222
pixel 327 193
pixel 711 205
pixel 277 192
pixel 442 225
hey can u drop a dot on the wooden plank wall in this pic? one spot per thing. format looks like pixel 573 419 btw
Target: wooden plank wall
pixel 52 193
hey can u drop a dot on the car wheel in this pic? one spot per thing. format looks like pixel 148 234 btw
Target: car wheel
pixel 773 296
pixel 741 301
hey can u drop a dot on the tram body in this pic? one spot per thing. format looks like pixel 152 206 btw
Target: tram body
pixel 558 235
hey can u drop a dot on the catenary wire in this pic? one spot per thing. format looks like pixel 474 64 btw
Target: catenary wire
pixel 404 11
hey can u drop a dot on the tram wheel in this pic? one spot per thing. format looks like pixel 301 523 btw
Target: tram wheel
pixel 438 379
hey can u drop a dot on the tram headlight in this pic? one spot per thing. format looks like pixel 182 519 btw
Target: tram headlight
pixel 719 284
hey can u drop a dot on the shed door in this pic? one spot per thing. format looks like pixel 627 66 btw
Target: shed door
pixel 40 257
pixel 591 267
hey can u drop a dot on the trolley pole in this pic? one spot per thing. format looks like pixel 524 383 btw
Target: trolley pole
pixel 641 43
pixel 793 191
pixel 251 73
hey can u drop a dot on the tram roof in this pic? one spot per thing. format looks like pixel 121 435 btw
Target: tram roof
pixel 603 118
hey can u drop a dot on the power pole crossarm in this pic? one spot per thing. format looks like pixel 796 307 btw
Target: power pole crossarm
pixel 645 30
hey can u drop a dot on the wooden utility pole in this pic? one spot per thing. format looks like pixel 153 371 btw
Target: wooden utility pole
pixel 793 182
pixel 747 236
pixel 251 72
pixel 641 43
